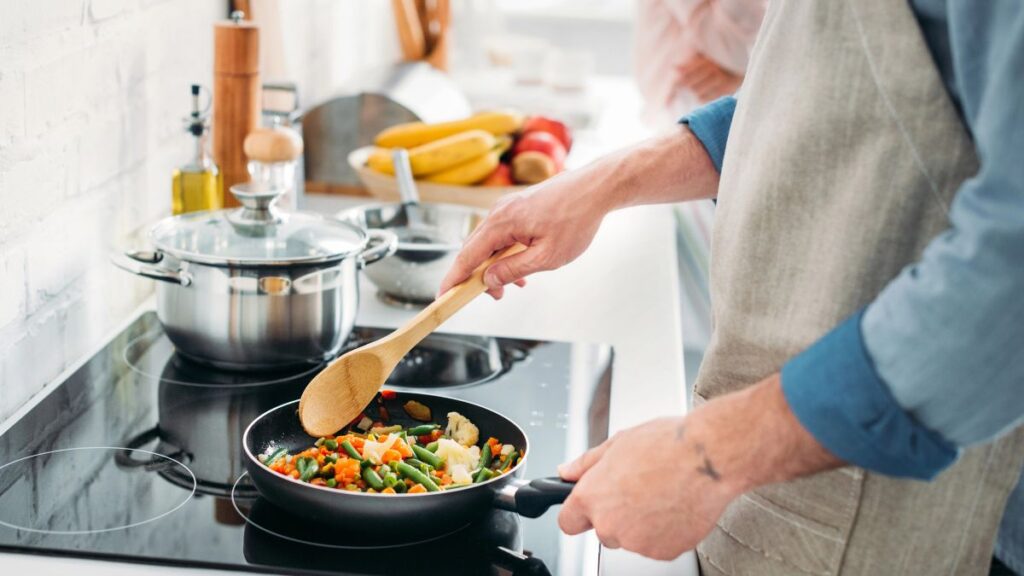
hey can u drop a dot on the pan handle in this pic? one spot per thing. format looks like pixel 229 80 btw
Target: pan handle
pixel 532 499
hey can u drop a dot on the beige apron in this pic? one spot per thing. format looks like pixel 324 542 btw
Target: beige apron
pixel 844 155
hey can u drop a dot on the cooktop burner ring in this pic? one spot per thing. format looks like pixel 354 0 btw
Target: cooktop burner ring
pixel 170 363
pixel 117 455
pixel 398 302
pixel 373 546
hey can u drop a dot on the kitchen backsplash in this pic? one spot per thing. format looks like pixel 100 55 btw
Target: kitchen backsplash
pixel 92 96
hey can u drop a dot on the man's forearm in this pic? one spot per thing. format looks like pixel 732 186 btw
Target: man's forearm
pixel 751 438
pixel 672 167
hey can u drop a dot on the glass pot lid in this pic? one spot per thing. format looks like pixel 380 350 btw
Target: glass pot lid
pixel 257 234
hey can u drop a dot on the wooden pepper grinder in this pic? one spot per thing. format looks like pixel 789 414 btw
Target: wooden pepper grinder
pixel 236 96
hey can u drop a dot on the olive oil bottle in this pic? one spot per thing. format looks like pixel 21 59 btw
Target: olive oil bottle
pixel 197 185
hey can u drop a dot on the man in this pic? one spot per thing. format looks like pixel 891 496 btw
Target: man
pixel 867 291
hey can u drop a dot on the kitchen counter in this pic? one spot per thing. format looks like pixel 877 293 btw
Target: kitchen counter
pixel 623 291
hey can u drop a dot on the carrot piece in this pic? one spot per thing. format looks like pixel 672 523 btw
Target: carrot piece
pixel 318 482
pixel 417 489
pixel 446 480
pixel 435 434
pixel 388 490
pixel 402 448
pixel 393 455
pixel 294 474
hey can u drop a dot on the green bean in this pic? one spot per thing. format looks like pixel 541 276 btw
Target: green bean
pixel 400 487
pixel 432 446
pixel 373 479
pixel 319 441
pixel 506 464
pixel 486 456
pixel 417 476
pixel 483 475
pixel 390 480
pixel 427 456
pixel 307 469
pixel 416 463
pixel 331 444
pixel 331 483
pixel 422 429
pixel 365 463
pixel 276 455
pixel 394 466
pixel 332 458
pixel 351 450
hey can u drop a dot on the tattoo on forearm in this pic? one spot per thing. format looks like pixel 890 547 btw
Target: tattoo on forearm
pixel 707 468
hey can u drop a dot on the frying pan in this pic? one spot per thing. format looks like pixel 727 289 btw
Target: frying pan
pixel 399 517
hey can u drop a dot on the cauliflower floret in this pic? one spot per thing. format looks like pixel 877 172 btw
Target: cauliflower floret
pixel 462 430
pixel 455 454
pixel 374 451
pixel 460 474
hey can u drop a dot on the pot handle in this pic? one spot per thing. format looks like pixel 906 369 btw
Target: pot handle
pixel 532 499
pixel 383 243
pixel 144 263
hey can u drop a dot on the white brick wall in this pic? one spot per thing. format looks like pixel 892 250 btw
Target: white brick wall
pixel 92 93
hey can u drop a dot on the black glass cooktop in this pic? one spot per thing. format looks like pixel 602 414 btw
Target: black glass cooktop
pixel 137 457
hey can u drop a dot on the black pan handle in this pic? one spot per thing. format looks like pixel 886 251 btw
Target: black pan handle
pixel 532 499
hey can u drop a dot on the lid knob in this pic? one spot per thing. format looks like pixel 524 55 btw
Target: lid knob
pixel 258 215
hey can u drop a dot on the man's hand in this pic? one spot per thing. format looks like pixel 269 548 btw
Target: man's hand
pixel 705 78
pixel 558 218
pixel 551 219
pixel 658 489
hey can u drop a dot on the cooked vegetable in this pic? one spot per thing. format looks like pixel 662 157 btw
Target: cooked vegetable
pixel 483 475
pixel 373 479
pixel 417 411
pixel 373 458
pixel 461 429
pixel 427 456
pixel 417 476
pixel 422 429
pixel 350 450
pixel 275 456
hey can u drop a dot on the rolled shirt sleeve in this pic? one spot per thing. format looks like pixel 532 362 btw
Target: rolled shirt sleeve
pixel 936 362
pixel 710 124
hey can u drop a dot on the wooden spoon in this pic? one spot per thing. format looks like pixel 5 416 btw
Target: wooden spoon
pixel 340 392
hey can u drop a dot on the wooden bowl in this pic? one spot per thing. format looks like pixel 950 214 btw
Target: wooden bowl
pixel 385 187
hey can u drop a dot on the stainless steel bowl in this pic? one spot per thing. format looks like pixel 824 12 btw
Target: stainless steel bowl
pixel 414 272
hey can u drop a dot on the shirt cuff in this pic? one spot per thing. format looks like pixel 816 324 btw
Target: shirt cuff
pixel 710 124
pixel 836 394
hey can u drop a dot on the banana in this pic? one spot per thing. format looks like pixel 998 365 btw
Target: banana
pixel 469 172
pixel 412 134
pixel 438 155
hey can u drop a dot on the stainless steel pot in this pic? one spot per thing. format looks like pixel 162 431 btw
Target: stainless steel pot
pixel 414 273
pixel 253 287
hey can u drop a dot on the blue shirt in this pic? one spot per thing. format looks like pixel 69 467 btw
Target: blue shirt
pixel 936 361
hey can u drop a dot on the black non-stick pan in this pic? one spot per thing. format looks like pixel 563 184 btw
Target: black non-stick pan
pixel 399 517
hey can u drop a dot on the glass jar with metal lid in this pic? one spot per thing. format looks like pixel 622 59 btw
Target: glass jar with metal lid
pixel 256 287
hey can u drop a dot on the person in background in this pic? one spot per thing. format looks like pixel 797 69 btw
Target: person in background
pixel 859 408
pixel 689 52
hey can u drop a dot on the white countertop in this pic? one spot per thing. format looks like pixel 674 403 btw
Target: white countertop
pixel 623 291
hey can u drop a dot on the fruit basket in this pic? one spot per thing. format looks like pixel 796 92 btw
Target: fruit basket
pixel 472 161
pixel 385 188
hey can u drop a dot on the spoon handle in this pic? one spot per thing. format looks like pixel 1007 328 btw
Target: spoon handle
pixel 443 308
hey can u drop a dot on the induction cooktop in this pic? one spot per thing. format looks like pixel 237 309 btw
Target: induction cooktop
pixel 136 457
